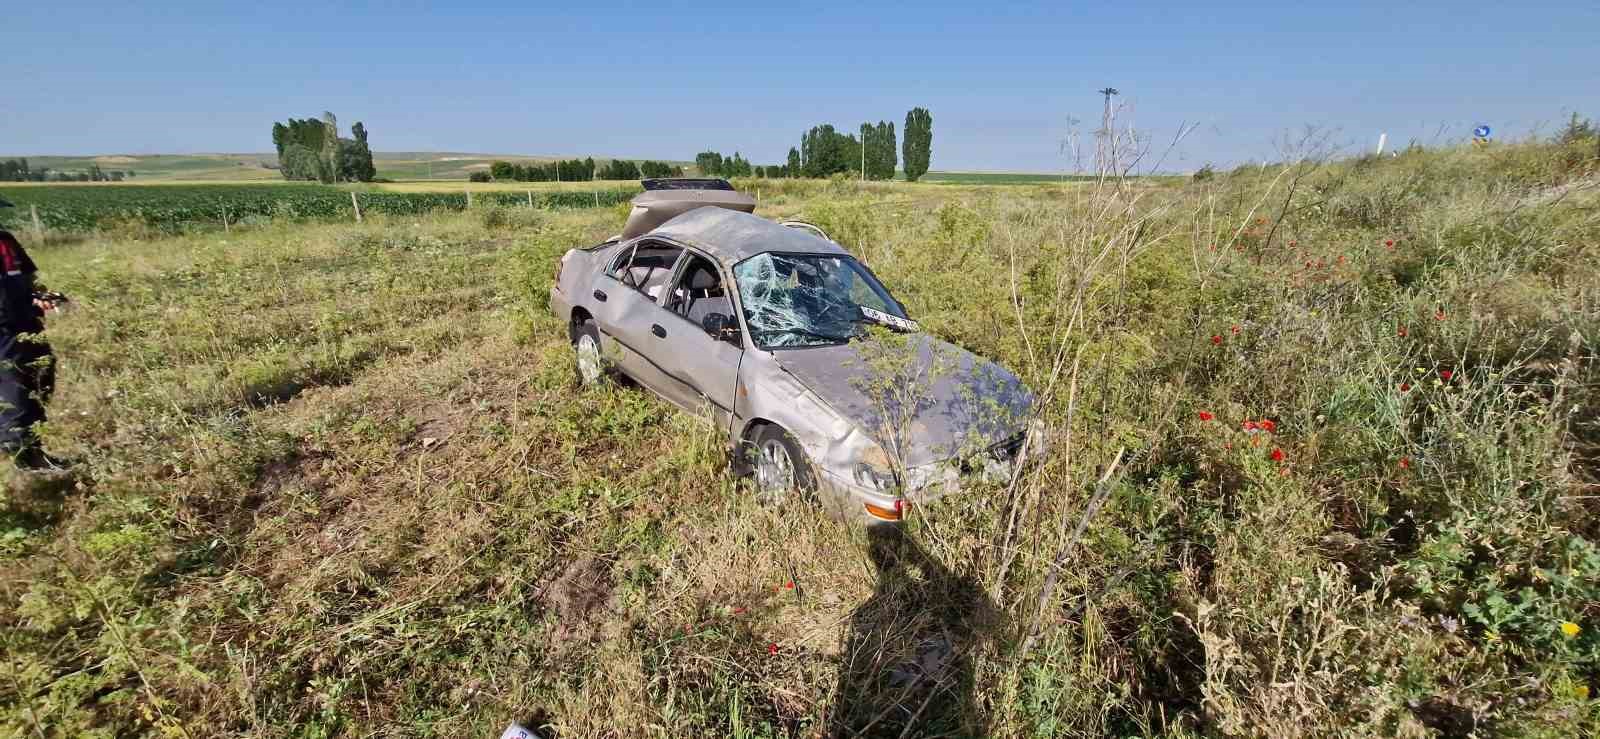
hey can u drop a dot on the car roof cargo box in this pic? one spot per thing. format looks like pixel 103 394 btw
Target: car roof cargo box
pixel 654 207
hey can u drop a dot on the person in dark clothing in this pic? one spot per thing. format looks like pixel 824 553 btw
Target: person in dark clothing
pixel 27 369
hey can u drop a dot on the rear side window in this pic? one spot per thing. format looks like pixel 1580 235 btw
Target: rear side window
pixel 645 267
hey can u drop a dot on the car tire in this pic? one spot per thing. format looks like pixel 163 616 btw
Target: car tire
pixel 781 470
pixel 589 364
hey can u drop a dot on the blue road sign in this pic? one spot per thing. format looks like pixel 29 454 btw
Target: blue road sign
pixel 1481 132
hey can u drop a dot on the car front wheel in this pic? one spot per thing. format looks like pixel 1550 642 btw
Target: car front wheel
pixel 781 467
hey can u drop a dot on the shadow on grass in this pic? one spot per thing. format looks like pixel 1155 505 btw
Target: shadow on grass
pixel 909 654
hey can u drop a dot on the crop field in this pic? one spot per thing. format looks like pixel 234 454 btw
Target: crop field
pixel 1325 455
pixel 76 208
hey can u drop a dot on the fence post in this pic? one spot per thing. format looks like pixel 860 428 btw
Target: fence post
pixel 355 205
pixel 225 228
pixel 530 198
pixel 596 198
pixel 38 228
pixel 469 199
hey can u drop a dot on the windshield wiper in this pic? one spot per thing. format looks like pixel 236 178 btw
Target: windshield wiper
pixel 803 332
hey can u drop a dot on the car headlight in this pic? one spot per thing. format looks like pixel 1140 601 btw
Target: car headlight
pixel 872 477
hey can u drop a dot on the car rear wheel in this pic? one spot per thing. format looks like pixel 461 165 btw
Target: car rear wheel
pixel 782 471
pixel 590 364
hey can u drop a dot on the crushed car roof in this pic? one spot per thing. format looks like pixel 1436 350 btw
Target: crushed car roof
pixel 730 236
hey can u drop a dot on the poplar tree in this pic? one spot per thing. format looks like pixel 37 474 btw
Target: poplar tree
pixel 918 147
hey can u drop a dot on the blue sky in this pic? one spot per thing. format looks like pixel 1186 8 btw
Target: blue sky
pixel 666 80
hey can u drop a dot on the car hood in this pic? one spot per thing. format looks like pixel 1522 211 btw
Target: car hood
pixel 929 399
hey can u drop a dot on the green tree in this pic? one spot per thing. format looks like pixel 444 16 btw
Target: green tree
pixel 659 169
pixel 330 147
pixel 917 150
pixel 825 152
pixel 502 171
pixel 362 169
pixel 299 162
pixel 793 166
pixel 878 142
pixel 709 163
pixel 304 136
pixel 889 159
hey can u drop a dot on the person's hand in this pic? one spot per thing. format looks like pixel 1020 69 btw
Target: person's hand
pixel 47 306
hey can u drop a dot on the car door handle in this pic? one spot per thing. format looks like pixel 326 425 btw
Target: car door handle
pixel 600 296
pixel 655 328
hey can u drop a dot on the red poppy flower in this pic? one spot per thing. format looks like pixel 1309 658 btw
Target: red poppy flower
pixel 1445 375
pixel 738 610
pixel 1206 416
pixel 1389 243
pixel 1438 316
pixel 1405 387
pixel 1405 463
pixel 1216 339
pixel 1291 242
pixel 1308 264
pixel 772 648
pixel 1283 471
pixel 1341 259
pixel 1277 455
pixel 1402 332
pixel 1249 425
pixel 1268 426
pixel 789 585
pixel 1235 328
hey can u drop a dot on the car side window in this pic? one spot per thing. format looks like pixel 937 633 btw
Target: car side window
pixel 646 267
pixel 700 292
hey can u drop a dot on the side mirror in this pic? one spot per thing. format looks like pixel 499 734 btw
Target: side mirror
pixel 721 326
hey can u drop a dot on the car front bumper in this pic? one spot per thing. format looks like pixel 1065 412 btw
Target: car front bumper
pixel 924 484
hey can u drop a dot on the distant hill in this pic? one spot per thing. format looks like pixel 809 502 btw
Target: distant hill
pixel 393 165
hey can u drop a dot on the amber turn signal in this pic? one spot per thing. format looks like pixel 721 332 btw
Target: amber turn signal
pixel 887 514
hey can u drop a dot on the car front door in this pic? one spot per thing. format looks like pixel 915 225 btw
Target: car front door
pixel 629 315
pixel 704 367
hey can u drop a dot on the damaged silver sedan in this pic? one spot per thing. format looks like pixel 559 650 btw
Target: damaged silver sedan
pixel 794 349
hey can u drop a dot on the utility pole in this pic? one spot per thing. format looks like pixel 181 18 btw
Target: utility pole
pixel 1106 152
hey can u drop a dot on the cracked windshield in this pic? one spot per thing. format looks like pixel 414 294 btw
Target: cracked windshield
pixel 793 300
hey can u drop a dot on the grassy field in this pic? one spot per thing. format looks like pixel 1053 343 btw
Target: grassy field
pixel 1338 428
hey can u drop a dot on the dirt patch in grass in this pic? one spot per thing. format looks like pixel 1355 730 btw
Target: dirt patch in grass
pixel 576 597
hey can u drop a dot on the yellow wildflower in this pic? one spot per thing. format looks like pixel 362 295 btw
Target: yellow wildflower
pixel 1582 691
pixel 1570 629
